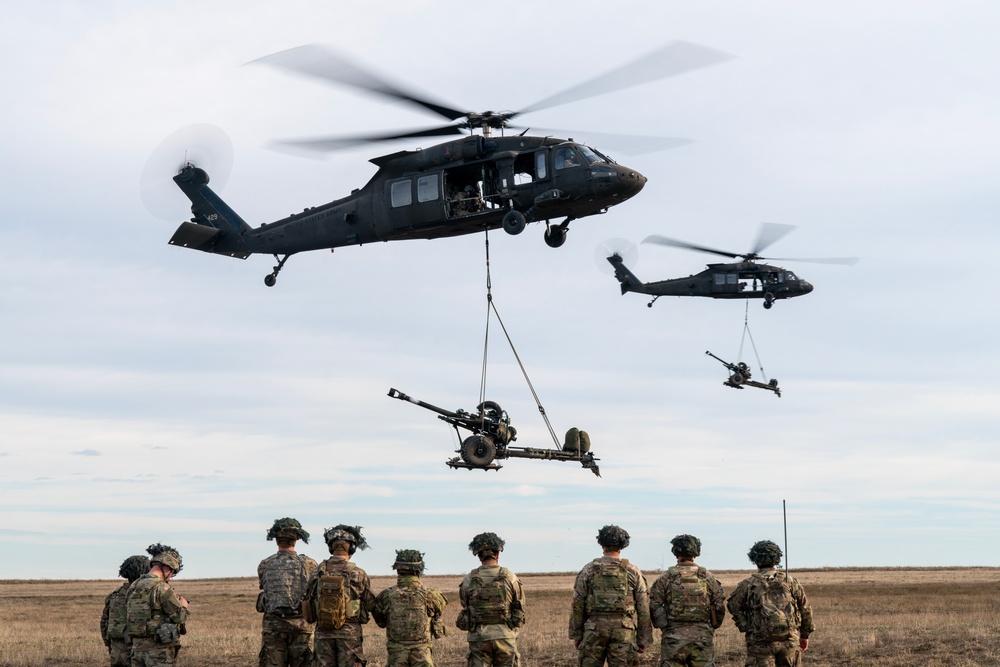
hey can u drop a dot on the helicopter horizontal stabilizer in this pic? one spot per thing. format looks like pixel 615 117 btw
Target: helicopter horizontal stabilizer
pixel 199 237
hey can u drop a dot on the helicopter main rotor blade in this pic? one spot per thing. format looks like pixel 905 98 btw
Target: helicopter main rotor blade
pixel 322 63
pixel 769 233
pixel 850 261
pixel 672 59
pixel 663 240
pixel 326 144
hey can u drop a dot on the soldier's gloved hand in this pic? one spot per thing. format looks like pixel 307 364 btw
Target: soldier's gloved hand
pixel 804 644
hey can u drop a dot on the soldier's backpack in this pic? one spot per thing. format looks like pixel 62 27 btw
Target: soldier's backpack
pixel 689 598
pixel 774 613
pixel 117 614
pixel 609 588
pixel 407 620
pixel 489 598
pixel 333 597
pixel 284 585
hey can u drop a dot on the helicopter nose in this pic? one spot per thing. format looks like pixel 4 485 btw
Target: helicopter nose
pixel 631 180
pixel 806 287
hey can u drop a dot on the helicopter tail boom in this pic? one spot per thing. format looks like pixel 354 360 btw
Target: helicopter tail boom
pixel 628 280
pixel 214 226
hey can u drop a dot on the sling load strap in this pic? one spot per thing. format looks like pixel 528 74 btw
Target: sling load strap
pixel 747 334
pixel 490 305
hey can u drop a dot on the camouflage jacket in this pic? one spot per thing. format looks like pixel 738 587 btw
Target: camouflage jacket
pixel 742 609
pixel 265 572
pixel 150 603
pixel 426 621
pixel 114 606
pixel 636 616
pixel 362 598
pixel 660 598
pixel 515 593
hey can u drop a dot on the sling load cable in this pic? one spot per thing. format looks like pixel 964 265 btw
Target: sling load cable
pixel 482 384
pixel 746 334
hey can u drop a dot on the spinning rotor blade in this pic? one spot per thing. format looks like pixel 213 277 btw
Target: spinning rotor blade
pixel 322 63
pixel 324 144
pixel 670 60
pixel 663 240
pixel 850 261
pixel 621 247
pixel 203 145
pixel 769 233
pixel 630 144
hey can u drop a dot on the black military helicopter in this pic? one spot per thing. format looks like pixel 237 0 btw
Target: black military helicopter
pixel 737 280
pixel 481 181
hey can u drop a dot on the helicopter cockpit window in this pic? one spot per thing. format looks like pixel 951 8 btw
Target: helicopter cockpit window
pixel 590 155
pixel 790 276
pixel 427 188
pixel 400 193
pixel 567 157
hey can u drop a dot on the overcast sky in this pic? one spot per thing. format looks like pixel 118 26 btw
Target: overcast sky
pixel 151 393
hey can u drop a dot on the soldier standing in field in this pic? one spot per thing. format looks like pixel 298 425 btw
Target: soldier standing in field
pixel 492 607
pixel 339 600
pixel 156 614
pixel 115 616
pixel 610 617
pixel 772 610
pixel 688 603
pixel 410 613
pixel 286 636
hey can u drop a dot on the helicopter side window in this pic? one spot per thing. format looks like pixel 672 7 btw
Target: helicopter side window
pixel 720 279
pixel 540 164
pixel 427 188
pixel 524 170
pixel 401 194
pixel 732 278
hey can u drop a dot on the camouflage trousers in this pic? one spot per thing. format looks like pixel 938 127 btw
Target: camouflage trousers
pixel 687 645
pixel 160 656
pixel 410 656
pixel 779 654
pixel 285 649
pixel 616 646
pixel 338 652
pixel 120 653
pixel 493 653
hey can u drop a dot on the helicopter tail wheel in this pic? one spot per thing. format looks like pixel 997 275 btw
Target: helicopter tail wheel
pixel 514 222
pixel 768 300
pixel 270 279
pixel 555 236
pixel 478 451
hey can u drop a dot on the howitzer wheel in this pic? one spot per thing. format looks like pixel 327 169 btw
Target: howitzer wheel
pixel 478 451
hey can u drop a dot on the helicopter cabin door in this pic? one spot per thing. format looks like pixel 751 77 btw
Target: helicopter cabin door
pixel 726 283
pixel 416 201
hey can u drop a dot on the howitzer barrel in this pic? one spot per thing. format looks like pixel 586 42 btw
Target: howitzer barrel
pixel 395 393
pixel 723 361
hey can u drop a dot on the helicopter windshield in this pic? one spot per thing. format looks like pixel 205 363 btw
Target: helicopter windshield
pixel 575 155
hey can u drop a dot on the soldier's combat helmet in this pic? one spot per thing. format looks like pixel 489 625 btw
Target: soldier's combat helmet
pixel 134 567
pixel 613 537
pixel 409 561
pixel 288 529
pixel 344 533
pixel 685 546
pixel 164 555
pixel 764 554
pixel 486 542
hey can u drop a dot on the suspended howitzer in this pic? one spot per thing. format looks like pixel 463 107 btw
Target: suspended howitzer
pixel 492 435
pixel 740 376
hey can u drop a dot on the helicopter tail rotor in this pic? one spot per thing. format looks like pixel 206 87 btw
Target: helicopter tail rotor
pixel 202 145
pixel 611 247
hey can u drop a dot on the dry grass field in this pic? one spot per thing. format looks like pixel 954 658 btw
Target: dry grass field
pixel 864 617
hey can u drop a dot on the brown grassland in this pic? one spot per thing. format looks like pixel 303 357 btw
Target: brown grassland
pixel 890 617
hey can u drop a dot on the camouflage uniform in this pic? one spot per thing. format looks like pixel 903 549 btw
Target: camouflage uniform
pixel 687 637
pixel 151 602
pixel 286 637
pixel 115 616
pixel 762 650
pixel 610 636
pixel 409 636
pixel 492 641
pixel 343 647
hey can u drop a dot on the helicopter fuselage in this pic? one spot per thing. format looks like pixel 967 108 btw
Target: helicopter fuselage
pixel 458 187
pixel 734 280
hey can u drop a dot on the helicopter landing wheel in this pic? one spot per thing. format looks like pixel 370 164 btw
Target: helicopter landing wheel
pixel 478 451
pixel 768 300
pixel 270 279
pixel 555 236
pixel 514 222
